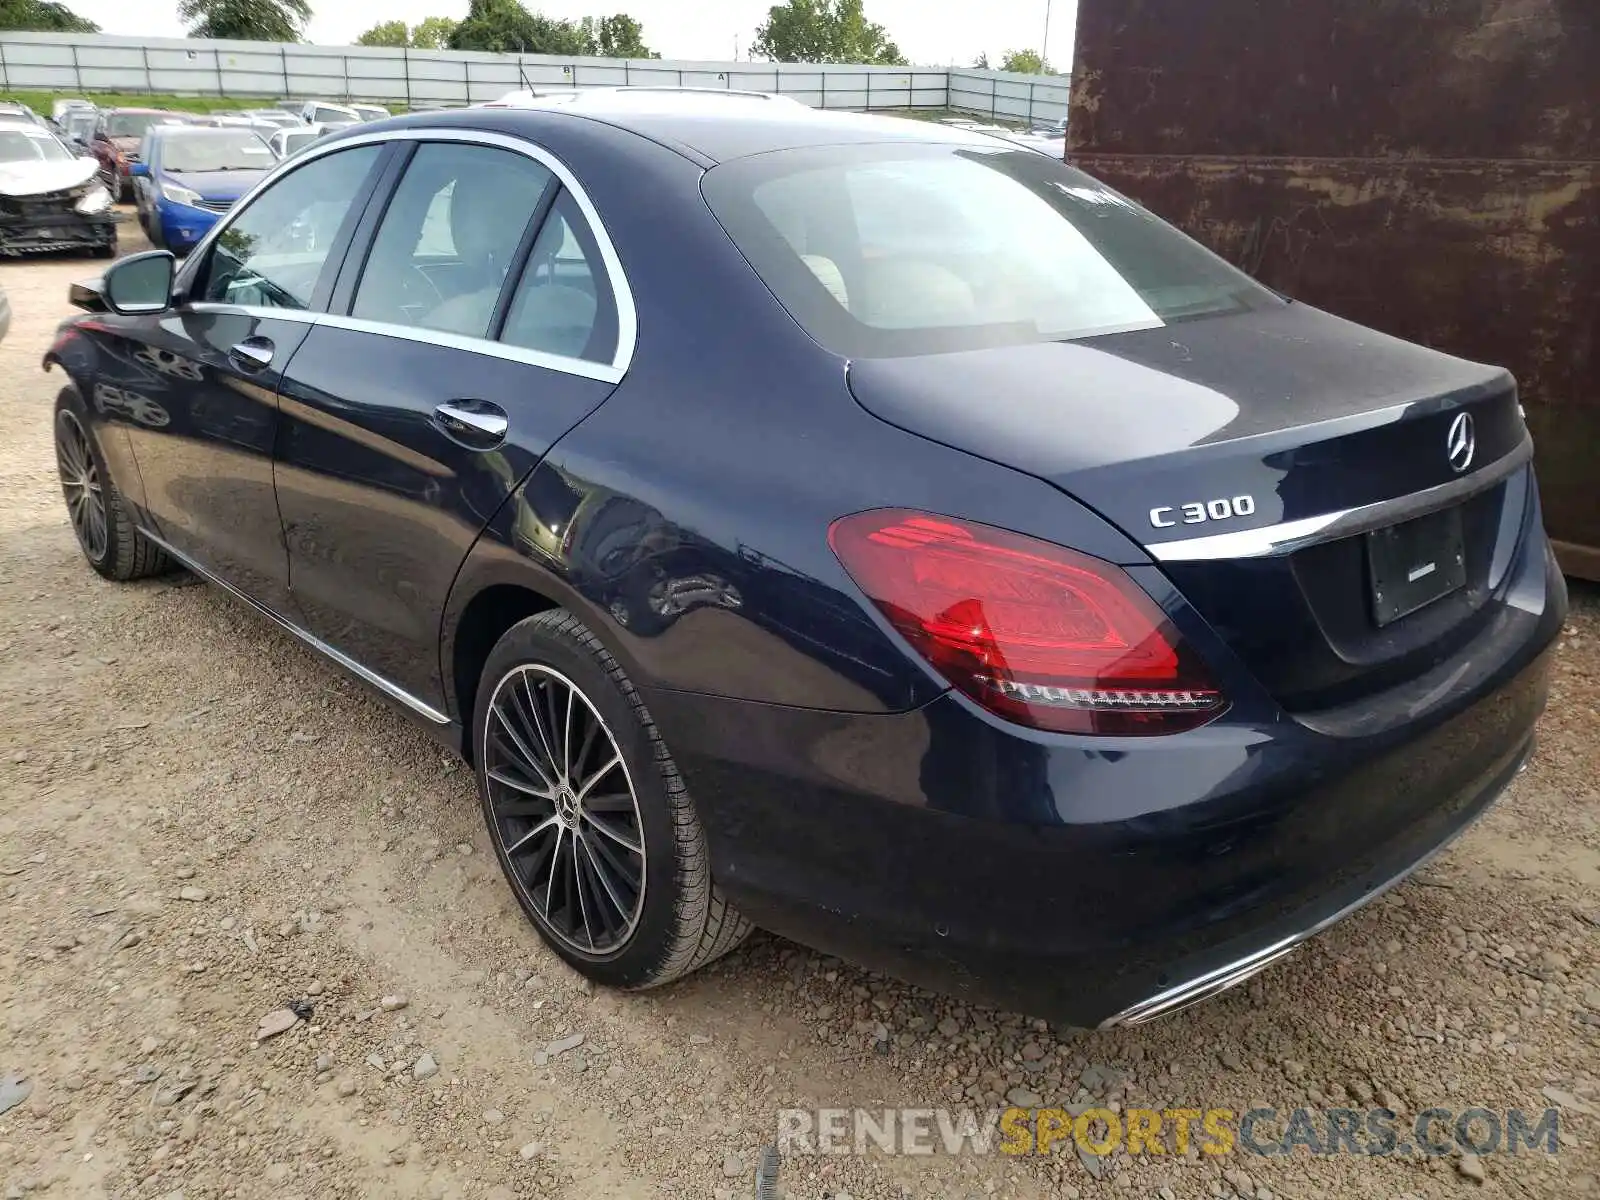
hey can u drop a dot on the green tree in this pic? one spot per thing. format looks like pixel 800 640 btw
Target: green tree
pixel 432 33
pixel 505 26
pixel 1026 62
pixel 386 33
pixel 618 36
pixel 981 63
pixel 251 20
pixel 835 31
pixel 43 16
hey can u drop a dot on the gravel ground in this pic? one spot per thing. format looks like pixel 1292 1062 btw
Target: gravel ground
pixel 201 822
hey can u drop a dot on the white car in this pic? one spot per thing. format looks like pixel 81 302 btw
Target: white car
pixel 286 143
pixel 320 112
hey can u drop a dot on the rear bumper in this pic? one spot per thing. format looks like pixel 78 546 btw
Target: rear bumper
pixel 1090 880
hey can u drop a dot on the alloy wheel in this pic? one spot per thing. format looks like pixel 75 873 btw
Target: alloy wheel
pixel 563 810
pixel 81 485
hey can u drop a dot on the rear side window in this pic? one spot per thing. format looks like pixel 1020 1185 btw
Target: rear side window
pixel 563 304
pixel 896 249
pixel 272 254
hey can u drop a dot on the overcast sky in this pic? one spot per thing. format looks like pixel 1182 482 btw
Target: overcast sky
pixel 928 31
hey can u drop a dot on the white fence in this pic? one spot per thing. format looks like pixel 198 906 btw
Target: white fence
pixel 94 63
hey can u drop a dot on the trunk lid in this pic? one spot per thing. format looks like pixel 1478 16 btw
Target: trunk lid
pixel 1211 442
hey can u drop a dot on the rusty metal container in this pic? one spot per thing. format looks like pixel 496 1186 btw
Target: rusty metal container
pixel 1427 167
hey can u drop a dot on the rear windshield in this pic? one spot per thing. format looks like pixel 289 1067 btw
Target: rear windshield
pixel 894 249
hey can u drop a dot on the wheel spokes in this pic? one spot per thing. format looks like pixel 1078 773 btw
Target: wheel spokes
pixel 573 831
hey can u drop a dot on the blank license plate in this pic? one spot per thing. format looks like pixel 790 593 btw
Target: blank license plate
pixel 1415 563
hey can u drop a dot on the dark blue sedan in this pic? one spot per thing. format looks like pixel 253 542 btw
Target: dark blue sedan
pixel 861 528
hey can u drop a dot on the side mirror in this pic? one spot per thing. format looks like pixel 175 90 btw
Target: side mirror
pixel 139 168
pixel 140 284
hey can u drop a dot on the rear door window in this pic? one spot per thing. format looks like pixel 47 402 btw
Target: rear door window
pixel 563 303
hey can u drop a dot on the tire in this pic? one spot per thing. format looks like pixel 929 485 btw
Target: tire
pixel 680 918
pixel 112 544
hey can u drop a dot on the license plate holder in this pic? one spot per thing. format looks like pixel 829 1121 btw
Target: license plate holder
pixel 1415 563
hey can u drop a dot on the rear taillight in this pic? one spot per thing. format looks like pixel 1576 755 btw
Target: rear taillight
pixel 1036 633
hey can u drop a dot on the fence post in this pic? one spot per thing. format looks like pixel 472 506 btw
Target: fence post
pixel 283 67
pixel 344 67
pixel 466 78
pixel 149 80
pixel 216 61
pixel 824 74
pixel 994 98
pixel 405 68
pixel 5 71
pixel 77 71
pixel 869 90
pixel 1030 104
pixel 625 77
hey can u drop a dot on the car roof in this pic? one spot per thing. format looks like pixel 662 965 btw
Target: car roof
pixel 719 125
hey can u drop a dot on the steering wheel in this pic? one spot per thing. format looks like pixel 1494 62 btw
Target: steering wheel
pixel 419 294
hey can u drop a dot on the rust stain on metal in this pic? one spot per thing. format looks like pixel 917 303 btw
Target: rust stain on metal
pixel 1428 167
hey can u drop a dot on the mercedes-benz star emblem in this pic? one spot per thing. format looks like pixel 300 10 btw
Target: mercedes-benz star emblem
pixel 1462 443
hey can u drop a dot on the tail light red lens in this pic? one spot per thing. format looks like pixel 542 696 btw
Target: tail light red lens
pixel 1036 633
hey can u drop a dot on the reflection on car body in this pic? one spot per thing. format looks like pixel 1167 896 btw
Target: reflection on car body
pixel 115 401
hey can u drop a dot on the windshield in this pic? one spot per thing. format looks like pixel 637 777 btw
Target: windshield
pixel 221 151
pixel 898 249
pixel 132 124
pixel 17 146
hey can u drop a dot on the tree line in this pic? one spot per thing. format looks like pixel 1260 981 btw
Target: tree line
pixel 818 31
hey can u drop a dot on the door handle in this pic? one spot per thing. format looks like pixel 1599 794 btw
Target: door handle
pixel 252 354
pixel 477 424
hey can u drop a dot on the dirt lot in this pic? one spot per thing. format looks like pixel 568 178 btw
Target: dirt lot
pixel 200 822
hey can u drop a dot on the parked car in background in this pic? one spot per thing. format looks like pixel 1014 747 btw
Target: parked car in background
pixel 867 529
pixel 77 125
pixel 118 140
pixel 273 116
pixel 193 174
pixel 288 142
pixel 62 107
pixel 51 197
pixel 323 112
pixel 15 110
pixel 370 112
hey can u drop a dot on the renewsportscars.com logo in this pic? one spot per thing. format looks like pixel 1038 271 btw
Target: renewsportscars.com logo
pixel 1216 1132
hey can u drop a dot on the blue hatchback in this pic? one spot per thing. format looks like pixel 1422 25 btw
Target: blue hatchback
pixel 191 175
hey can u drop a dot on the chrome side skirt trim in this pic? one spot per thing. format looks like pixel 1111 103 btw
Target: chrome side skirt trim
pixel 392 690
pixel 1202 987
pixel 1289 536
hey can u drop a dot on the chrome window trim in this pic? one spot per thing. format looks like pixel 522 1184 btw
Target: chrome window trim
pixel 1288 536
pixel 603 372
pixel 627 313
pixel 388 688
